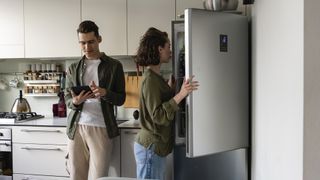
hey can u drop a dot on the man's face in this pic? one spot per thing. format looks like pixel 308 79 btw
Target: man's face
pixel 89 45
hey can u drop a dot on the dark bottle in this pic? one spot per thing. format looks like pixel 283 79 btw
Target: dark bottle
pixel 62 108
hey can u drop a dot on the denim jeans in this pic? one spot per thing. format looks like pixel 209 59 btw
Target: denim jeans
pixel 149 164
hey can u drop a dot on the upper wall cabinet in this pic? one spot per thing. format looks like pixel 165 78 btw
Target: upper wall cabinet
pixel 111 18
pixel 50 28
pixel 11 29
pixel 184 4
pixel 143 14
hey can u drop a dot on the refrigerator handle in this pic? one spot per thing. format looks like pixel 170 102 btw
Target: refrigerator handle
pixel 187 127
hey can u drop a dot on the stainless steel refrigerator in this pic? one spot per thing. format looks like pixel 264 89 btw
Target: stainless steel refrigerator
pixel 212 124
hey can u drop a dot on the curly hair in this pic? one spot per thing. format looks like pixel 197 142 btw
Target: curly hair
pixel 87 27
pixel 148 53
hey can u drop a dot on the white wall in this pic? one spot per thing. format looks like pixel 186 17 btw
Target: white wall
pixel 311 156
pixel 277 28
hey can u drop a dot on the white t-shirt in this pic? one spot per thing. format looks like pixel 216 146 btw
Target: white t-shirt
pixel 91 112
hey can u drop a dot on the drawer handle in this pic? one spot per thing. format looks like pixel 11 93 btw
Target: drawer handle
pixel 28 130
pixel 6 144
pixel 130 132
pixel 45 149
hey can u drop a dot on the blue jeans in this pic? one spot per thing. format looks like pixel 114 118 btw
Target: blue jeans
pixel 149 164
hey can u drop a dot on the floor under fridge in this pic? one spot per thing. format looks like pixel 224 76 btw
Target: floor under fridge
pixel 232 165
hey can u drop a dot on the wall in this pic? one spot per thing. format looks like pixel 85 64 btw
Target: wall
pixel 277 86
pixel 311 155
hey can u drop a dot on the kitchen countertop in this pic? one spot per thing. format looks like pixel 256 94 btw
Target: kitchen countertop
pixel 131 124
pixel 50 121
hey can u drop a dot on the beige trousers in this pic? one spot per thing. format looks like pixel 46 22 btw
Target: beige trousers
pixel 90 150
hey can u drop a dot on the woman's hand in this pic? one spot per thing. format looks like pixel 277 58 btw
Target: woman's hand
pixel 187 87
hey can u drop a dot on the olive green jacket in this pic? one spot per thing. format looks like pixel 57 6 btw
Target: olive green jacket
pixel 111 77
pixel 157 109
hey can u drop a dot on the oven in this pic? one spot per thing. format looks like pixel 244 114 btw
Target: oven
pixel 5 153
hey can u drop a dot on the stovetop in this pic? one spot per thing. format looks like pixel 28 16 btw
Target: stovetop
pixel 20 117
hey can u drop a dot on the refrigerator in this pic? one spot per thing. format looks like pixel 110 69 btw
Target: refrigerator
pixel 212 124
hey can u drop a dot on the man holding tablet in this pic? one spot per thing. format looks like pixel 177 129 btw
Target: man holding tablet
pixel 91 121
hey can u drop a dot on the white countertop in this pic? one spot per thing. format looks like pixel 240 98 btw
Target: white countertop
pixel 135 124
pixel 48 120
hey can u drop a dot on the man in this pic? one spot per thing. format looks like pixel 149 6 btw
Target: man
pixel 91 122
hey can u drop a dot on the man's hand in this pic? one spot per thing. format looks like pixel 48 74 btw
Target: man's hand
pixel 97 91
pixel 77 100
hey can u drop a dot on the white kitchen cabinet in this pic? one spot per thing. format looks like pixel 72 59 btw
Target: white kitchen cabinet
pixel 128 162
pixel 181 5
pixel 50 28
pixel 143 14
pixel 114 169
pixel 111 18
pixel 12 29
pixel 44 148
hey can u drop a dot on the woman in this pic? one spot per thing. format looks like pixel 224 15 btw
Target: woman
pixel 158 104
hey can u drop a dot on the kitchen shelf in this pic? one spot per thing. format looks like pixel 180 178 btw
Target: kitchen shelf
pixel 41 95
pixel 40 81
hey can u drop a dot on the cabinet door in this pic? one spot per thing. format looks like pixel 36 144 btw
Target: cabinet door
pixel 143 14
pixel 128 162
pixel 110 16
pixel 11 31
pixel 50 28
pixel 114 169
pixel 184 4
pixel 39 159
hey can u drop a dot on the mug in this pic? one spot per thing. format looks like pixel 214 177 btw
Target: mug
pixel 14 83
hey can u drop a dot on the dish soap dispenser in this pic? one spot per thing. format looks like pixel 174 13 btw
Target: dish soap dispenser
pixel 62 108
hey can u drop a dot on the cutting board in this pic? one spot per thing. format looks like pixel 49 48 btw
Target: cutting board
pixel 132 91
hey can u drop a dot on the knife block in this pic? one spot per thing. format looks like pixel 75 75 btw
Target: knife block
pixel 132 91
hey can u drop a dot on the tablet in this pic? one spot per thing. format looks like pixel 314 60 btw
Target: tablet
pixel 77 89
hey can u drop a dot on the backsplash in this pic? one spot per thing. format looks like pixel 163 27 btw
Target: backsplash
pixel 43 105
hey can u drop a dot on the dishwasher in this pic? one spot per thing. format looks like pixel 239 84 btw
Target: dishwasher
pixel 5 154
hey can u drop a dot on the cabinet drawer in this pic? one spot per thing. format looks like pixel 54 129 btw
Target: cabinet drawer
pixel 5 134
pixel 32 177
pixel 39 135
pixel 39 159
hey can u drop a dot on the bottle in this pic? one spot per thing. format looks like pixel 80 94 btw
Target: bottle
pixel 62 108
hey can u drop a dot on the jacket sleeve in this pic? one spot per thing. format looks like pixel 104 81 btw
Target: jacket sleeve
pixel 117 95
pixel 161 112
pixel 70 82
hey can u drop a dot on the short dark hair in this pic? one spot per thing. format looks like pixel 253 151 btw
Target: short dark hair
pixel 88 26
pixel 148 53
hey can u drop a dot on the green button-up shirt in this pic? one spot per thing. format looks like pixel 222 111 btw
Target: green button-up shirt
pixel 157 110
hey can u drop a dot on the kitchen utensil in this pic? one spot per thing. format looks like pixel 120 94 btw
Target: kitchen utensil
pixel 136 115
pixel 20 105
pixel 220 5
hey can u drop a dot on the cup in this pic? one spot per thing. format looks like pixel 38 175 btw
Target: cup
pixel 53 67
pixel 48 67
pixel 43 68
pixel 33 67
pixel 38 68
pixel 14 83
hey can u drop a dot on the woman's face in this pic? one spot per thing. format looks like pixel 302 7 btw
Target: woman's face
pixel 165 53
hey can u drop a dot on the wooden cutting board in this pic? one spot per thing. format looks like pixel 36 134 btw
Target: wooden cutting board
pixel 132 91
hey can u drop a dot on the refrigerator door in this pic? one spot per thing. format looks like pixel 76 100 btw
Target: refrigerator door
pixel 216 52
